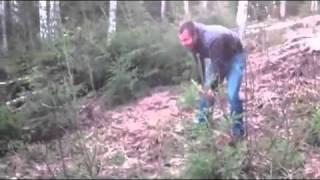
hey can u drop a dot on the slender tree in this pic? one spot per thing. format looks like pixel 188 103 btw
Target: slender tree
pixel 186 9
pixel 242 13
pixel 44 16
pixel 163 9
pixel 112 19
pixel 282 9
pixel 4 28
pixel 204 5
pixel 314 6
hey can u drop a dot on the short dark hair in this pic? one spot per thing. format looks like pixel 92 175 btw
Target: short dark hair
pixel 189 25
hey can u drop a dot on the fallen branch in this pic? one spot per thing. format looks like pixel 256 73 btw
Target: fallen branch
pixel 13 81
pixel 22 98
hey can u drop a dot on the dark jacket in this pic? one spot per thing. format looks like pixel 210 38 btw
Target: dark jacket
pixel 219 44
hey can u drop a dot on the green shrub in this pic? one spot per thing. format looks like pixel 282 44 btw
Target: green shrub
pixel 188 98
pixel 137 59
pixel 10 128
pixel 284 157
pixel 9 123
pixel 207 160
pixel 145 57
pixel 313 129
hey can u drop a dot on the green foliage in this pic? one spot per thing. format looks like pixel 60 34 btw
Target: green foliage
pixel 144 57
pixel 9 123
pixel 122 84
pixel 313 129
pixel 188 98
pixel 10 128
pixel 304 9
pixel 118 159
pixel 222 13
pixel 208 160
pixel 48 114
pixel 284 156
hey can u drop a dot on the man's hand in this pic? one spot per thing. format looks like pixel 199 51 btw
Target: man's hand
pixel 207 92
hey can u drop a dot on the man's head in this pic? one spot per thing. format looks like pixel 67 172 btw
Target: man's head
pixel 188 35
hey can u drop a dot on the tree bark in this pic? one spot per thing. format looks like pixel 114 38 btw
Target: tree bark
pixel 314 6
pixel 242 14
pixel 186 9
pixel 204 5
pixel 282 9
pixel 48 10
pixel 112 19
pixel 55 19
pixel 163 10
pixel 44 19
pixel 4 28
pixel 8 23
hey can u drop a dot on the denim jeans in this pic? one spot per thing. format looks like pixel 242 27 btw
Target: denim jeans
pixel 233 75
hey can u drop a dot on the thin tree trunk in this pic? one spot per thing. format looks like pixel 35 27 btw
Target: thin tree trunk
pixel 314 6
pixel 163 10
pixel 282 9
pixel 48 8
pixel 44 19
pixel 204 5
pixel 8 22
pixel 274 9
pixel 31 40
pixel 55 19
pixel 14 9
pixel 112 19
pixel 242 14
pixel 186 9
pixel 4 28
pixel 34 24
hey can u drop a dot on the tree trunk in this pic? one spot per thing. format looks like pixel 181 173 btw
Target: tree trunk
pixel 282 9
pixel 35 25
pixel 204 5
pixel 4 28
pixel 8 23
pixel 186 9
pixel 112 19
pixel 163 10
pixel 275 13
pixel 242 14
pixel 14 9
pixel 30 21
pixel 55 19
pixel 314 6
pixel 43 16
pixel 48 7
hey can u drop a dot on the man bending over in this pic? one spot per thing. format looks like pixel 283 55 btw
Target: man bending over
pixel 218 55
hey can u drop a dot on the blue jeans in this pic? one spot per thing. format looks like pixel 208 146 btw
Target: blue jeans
pixel 233 75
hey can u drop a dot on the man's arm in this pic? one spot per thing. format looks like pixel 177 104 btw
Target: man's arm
pixel 199 68
pixel 216 69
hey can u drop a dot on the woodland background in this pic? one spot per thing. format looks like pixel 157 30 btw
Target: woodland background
pixel 55 55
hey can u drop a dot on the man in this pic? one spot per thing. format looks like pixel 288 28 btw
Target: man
pixel 218 55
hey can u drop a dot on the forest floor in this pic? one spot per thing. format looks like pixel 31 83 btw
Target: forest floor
pixel 149 138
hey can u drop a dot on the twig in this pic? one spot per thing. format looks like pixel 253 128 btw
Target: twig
pixel 22 98
pixel 62 158
pixel 47 164
pixel 13 81
pixel 159 138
